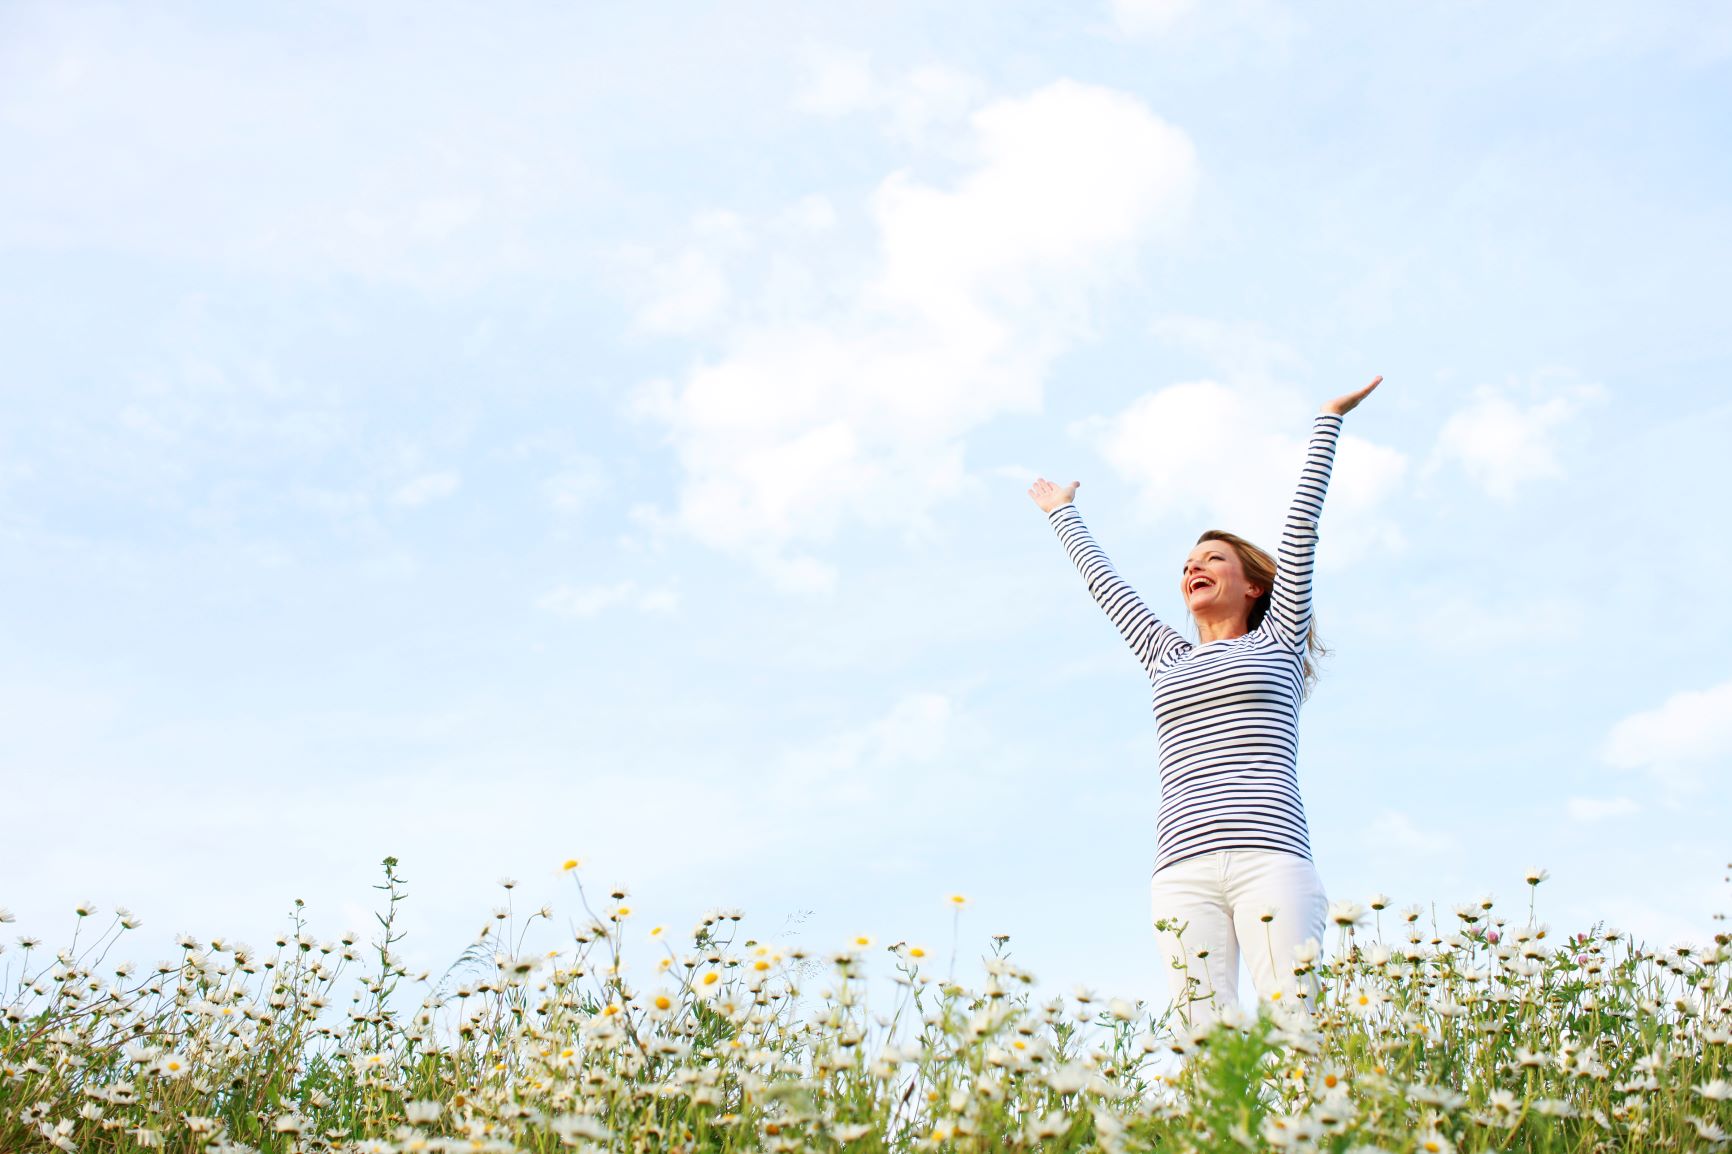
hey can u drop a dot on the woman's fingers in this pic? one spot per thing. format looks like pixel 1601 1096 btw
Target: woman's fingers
pixel 1043 491
pixel 1351 401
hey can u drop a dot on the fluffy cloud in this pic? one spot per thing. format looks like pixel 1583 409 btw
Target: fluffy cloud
pixel 1067 176
pixel 1137 17
pixel 855 411
pixel 837 82
pixel 686 292
pixel 843 83
pixel 1504 441
pixel 1678 741
pixel 1230 456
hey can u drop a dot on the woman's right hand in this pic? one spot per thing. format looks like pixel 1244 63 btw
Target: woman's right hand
pixel 1341 406
pixel 1050 496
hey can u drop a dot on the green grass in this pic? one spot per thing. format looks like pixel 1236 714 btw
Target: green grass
pixel 1485 1034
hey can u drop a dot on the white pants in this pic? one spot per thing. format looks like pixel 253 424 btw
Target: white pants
pixel 1209 910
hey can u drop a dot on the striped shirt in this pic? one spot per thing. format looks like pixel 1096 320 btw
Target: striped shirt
pixel 1226 712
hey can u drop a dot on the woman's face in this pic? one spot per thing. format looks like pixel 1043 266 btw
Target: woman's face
pixel 1214 583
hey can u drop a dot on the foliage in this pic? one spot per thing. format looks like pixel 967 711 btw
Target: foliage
pixel 1478 1036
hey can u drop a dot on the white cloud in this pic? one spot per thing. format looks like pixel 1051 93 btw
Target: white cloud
pixel 922 109
pixel 580 601
pixel 1395 832
pixel 1600 808
pixel 1503 442
pixel 1138 17
pixel 811 213
pixel 912 107
pixel 1231 456
pixel 1066 176
pixel 686 291
pixel 1675 743
pixel 856 412
pixel 1172 444
pixel 425 488
pixel 800 574
pixel 837 82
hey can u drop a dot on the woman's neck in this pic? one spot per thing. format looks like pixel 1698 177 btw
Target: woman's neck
pixel 1221 629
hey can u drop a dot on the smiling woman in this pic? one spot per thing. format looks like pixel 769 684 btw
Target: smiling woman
pixel 1211 567
pixel 1233 870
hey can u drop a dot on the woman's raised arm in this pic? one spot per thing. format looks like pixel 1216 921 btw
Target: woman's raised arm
pixel 1149 638
pixel 1290 601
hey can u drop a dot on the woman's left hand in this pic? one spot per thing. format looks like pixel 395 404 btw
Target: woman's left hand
pixel 1343 405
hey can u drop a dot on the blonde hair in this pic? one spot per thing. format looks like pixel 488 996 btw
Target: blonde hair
pixel 1260 570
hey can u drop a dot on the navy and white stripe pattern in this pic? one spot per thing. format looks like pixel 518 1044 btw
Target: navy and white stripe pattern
pixel 1227 713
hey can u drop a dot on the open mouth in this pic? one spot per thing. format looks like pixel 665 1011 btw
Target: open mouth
pixel 1198 583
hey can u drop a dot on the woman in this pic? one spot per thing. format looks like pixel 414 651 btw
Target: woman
pixel 1233 872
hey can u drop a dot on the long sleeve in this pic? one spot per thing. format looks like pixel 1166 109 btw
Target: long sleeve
pixel 1149 638
pixel 1289 616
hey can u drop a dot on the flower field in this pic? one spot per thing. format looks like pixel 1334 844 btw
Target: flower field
pixel 1479 1030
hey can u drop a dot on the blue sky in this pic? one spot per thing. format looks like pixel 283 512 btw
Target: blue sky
pixel 490 438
